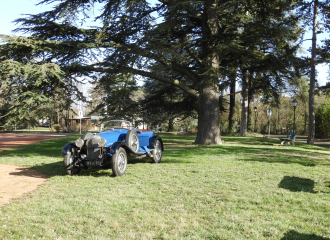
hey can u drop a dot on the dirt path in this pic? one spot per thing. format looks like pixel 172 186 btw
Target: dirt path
pixel 16 181
pixel 11 140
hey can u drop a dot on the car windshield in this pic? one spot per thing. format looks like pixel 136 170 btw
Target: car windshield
pixel 115 124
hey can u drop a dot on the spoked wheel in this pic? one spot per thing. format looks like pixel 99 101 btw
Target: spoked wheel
pixel 119 162
pixel 132 140
pixel 68 162
pixel 157 152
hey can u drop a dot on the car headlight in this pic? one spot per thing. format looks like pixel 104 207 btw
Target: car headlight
pixel 79 142
pixel 101 142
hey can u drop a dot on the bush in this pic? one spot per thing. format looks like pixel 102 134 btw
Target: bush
pixel 322 120
pixel 71 129
pixel 65 129
pixel 57 127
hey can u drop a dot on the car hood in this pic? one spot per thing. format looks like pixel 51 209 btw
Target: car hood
pixel 113 135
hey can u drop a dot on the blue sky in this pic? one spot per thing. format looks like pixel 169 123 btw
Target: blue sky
pixel 13 9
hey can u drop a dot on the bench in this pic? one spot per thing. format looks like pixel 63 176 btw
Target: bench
pixel 290 138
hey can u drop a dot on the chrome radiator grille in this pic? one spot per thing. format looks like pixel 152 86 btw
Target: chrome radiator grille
pixel 93 150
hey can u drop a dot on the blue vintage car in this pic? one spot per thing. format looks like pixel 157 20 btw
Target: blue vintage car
pixel 110 148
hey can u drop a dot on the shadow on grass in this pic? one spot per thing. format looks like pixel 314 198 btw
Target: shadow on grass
pixel 96 172
pixel 297 184
pixel 50 169
pixel 241 152
pixel 57 169
pixel 28 172
pixel 276 155
pixel 293 235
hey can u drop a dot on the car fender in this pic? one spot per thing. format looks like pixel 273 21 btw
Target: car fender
pixel 67 147
pixel 153 140
pixel 116 145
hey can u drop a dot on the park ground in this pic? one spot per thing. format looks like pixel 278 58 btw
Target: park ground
pixel 15 181
pixel 247 188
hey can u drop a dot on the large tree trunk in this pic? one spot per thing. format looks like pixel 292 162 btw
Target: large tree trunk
pixel 311 130
pixel 208 117
pixel 232 96
pixel 305 122
pixel 245 103
pixel 208 110
pixel 249 112
pixel 170 125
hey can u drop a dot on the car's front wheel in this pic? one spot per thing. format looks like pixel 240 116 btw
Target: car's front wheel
pixel 157 152
pixel 68 162
pixel 119 162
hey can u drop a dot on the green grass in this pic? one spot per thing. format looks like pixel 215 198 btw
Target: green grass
pixel 247 188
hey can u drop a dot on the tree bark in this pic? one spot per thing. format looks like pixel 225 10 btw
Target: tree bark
pixel 249 123
pixel 232 96
pixel 170 125
pixel 208 109
pixel 311 128
pixel 245 103
pixel 208 117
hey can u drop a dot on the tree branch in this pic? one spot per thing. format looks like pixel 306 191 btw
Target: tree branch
pixel 174 82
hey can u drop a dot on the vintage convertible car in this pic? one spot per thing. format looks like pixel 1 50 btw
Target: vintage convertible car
pixel 111 147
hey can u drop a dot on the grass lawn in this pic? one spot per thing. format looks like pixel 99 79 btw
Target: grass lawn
pixel 247 188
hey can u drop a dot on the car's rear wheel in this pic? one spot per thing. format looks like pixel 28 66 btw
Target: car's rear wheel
pixel 119 162
pixel 132 140
pixel 157 152
pixel 68 162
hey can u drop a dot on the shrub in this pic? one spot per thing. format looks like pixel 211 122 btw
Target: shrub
pixel 71 129
pixel 322 120
pixel 57 127
pixel 65 129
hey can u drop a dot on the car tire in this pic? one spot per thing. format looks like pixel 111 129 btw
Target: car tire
pixel 67 161
pixel 119 162
pixel 132 140
pixel 157 152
